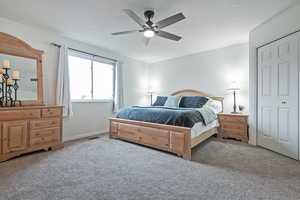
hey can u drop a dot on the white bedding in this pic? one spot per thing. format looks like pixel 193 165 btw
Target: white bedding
pixel 200 128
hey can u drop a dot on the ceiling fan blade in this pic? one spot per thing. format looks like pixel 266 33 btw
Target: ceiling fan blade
pixel 170 20
pixel 169 36
pixel 125 32
pixel 146 41
pixel 135 17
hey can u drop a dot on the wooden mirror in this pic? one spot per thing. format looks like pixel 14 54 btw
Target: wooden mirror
pixel 28 61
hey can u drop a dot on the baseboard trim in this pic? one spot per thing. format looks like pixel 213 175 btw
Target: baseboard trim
pixel 84 135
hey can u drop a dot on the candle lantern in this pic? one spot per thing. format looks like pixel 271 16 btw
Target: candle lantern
pixel 9 86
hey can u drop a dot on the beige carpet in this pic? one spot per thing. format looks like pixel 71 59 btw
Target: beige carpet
pixel 112 169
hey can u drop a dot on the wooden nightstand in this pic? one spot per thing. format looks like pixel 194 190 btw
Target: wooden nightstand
pixel 234 126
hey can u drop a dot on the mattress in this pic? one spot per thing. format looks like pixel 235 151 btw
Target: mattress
pixel 200 128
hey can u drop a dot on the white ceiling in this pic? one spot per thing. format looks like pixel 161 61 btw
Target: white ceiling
pixel 209 24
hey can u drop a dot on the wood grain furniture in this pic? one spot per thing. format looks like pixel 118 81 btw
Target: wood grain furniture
pixel 174 139
pixel 32 126
pixel 29 128
pixel 234 126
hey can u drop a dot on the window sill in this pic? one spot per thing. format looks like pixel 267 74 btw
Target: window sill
pixel 93 101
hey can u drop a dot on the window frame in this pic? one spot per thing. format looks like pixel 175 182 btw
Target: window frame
pixel 94 58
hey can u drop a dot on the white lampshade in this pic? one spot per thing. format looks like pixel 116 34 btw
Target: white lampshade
pixel 151 90
pixel 234 86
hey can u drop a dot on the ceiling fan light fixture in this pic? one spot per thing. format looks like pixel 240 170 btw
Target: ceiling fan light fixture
pixel 149 33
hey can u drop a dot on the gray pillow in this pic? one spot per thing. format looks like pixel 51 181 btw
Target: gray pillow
pixel 173 101
pixel 160 101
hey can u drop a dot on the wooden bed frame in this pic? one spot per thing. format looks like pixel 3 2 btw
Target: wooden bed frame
pixel 174 139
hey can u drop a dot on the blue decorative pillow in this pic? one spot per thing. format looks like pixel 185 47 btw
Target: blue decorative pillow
pixel 173 101
pixel 193 101
pixel 160 101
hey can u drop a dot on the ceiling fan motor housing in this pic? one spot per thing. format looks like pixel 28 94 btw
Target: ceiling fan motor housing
pixel 149 14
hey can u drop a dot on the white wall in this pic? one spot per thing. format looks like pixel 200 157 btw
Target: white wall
pixel 89 118
pixel 278 26
pixel 211 72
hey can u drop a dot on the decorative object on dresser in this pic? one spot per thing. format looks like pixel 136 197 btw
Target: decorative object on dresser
pixel 234 88
pixel 241 108
pixel 234 126
pixel 32 126
pixel 7 83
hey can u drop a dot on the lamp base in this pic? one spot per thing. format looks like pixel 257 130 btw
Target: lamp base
pixel 235 113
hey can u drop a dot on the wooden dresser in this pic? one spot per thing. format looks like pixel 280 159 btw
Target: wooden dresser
pixel 29 128
pixel 234 126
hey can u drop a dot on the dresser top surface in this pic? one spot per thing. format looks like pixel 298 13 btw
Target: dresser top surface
pixel 29 107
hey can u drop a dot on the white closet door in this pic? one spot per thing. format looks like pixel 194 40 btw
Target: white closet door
pixel 278 91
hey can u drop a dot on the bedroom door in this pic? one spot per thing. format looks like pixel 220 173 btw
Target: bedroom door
pixel 278 91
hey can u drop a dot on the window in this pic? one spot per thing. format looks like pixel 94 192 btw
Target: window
pixel 91 77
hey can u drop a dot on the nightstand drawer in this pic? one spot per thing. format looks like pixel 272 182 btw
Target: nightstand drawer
pixel 237 126
pixel 235 119
pixel 240 135
pixel 233 131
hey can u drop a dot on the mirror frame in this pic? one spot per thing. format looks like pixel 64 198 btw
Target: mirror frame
pixel 13 46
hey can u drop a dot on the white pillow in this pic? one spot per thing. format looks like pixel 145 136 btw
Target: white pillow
pixel 216 106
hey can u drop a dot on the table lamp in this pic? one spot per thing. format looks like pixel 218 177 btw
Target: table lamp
pixel 151 92
pixel 234 87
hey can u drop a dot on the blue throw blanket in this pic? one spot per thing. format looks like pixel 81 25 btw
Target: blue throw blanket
pixel 186 117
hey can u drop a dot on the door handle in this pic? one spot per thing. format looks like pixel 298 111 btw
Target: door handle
pixel 284 102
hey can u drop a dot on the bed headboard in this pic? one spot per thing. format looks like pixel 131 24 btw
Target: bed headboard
pixel 197 93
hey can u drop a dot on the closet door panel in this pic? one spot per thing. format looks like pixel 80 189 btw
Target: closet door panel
pixel 283 79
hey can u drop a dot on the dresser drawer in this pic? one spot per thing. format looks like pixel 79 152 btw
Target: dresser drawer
pixel 234 119
pixel 44 123
pixel 51 112
pixel 48 132
pixel 44 140
pixel 20 114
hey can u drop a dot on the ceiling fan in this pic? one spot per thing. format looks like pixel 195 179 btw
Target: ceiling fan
pixel 150 29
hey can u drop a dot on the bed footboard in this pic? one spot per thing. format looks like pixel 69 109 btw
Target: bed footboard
pixel 173 139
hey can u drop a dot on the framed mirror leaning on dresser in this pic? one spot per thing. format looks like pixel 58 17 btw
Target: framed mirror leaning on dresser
pixel 30 125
